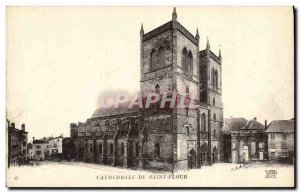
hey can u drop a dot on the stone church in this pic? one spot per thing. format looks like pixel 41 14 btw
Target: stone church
pixel 158 138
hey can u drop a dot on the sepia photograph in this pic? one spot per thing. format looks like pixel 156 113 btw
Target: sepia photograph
pixel 150 97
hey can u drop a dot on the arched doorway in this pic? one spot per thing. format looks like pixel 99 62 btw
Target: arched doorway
pixel 192 159
pixel 245 153
pixel 80 154
pixel 215 155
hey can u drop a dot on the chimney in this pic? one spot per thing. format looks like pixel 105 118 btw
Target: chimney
pixel 266 124
pixel 61 135
pixel 23 127
pixel 32 139
pixel 254 118
pixel 13 125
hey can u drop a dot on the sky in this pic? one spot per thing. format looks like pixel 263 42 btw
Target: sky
pixel 60 59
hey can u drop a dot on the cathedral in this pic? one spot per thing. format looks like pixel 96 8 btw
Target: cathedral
pixel 168 139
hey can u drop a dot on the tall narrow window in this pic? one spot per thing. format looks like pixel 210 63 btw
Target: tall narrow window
pixel 216 79
pixel 153 60
pixel 203 122
pixel 122 149
pixel 161 57
pixel 190 63
pixel 213 77
pixel 137 149
pixel 157 89
pixel 91 148
pixel 156 150
pixel 111 148
pixel 100 148
pixel 183 59
pixel 214 102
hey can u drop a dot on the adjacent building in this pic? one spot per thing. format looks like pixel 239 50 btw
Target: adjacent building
pixel 17 144
pixel 40 149
pixel 245 141
pixel 55 146
pixel 281 140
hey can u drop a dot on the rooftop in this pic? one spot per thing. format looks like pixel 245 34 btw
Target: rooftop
pixel 281 126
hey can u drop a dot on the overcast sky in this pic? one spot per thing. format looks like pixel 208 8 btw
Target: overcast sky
pixel 60 59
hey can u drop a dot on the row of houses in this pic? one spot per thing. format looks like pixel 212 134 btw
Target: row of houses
pixel 45 148
pixel 20 151
pixel 247 141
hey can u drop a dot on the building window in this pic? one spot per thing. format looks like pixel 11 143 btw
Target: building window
pixel 260 145
pixel 214 133
pixel 215 116
pixel 284 136
pixel 183 59
pixel 272 155
pixel 283 146
pixel 111 148
pixel 272 145
pixel 137 149
pixel 153 60
pixel 156 150
pixel 190 63
pixel 216 79
pixel 272 136
pixel 214 102
pixel 213 77
pixel 187 128
pixel 122 149
pixel 284 154
pixel 100 148
pixel 91 148
pixel 161 57
pixel 203 122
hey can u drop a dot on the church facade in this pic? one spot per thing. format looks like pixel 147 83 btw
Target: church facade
pixel 162 138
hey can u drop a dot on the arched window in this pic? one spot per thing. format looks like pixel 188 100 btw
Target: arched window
pixel 137 149
pixel 111 148
pixel 91 148
pixel 190 63
pixel 203 122
pixel 157 89
pixel 161 57
pixel 183 59
pixel 100 148
pixel 153 59
pixel 122 149
pixel 213 77
pixel 216 79
pixel 156 150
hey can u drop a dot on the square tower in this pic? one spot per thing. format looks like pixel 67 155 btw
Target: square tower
pixel 170 63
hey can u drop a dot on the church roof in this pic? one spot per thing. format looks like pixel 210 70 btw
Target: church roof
pixel 111 111
pixel 253 125
pixel 234 124
pixel 281 126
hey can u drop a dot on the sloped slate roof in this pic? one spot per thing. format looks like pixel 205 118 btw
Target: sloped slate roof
pixel 234 124
pixel 122 109
pixel 287 126
pixel 253 125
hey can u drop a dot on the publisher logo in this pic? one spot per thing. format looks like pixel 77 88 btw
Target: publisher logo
pixel 271 173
